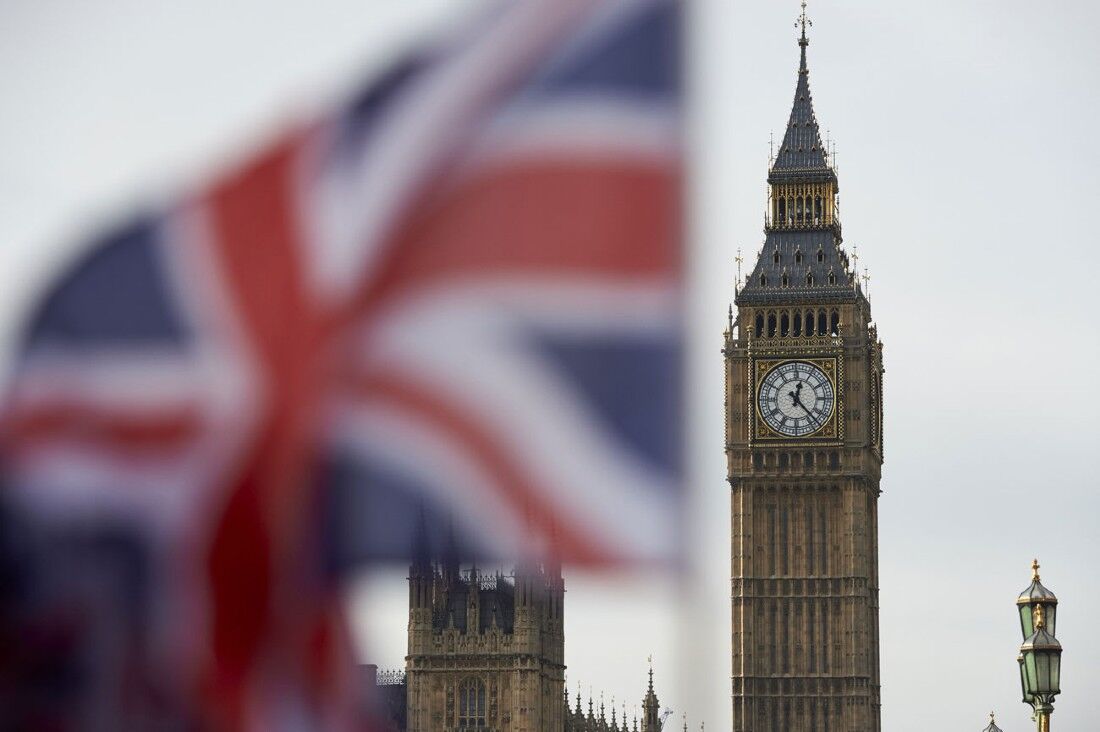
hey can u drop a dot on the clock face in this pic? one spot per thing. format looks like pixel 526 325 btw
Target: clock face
pixel 796 399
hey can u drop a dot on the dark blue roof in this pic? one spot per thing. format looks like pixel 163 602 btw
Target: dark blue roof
pixel 799 255
pixel 802 154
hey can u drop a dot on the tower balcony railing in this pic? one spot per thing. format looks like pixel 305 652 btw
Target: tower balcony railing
pixel 795 223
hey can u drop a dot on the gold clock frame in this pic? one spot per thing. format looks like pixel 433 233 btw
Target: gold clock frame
pixel 832 432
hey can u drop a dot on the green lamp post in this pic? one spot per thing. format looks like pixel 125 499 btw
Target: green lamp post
pixel 1040 658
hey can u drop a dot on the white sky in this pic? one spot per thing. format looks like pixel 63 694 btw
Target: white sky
pixel 969 183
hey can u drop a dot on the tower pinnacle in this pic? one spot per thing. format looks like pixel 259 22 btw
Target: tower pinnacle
pixel 804 21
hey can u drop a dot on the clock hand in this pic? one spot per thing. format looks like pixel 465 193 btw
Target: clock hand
pixel 794 395
pixel 795 400
pixel 809 414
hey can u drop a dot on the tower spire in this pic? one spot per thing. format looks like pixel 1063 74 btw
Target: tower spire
pixel 803 41
pixel 803 260
pixel 804 21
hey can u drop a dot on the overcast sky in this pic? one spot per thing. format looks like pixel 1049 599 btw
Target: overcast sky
pixel 970 182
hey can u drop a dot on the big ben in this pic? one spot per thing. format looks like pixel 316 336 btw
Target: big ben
pixel 804 454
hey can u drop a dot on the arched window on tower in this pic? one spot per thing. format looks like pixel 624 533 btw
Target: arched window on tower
pixel 809 322
pixel 810 279
pixel 785 325
pixel 763 280
pixel 775 256
pixel 759 324
pixel 471 705
pixel 817 209
pixel 771 325
pixel 834 327
pixel 798 203
pixel 781 210
pixel 798 257
pixel 821 255
pixel 798 324
pixel 822 323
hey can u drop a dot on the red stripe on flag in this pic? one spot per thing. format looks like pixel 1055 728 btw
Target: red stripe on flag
pixel 137 436
pixel 614 220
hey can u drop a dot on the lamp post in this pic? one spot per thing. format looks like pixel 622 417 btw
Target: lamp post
pixel 1040 658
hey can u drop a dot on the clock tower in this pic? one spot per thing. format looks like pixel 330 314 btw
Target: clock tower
pixel 804 453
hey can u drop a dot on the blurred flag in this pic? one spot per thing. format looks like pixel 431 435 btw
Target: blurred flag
pixel 455 302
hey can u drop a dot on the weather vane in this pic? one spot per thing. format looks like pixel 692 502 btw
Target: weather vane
pixel 803 20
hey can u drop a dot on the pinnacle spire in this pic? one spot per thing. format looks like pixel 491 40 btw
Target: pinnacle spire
pixel 804 21
pixel 802 259
pixel 802 149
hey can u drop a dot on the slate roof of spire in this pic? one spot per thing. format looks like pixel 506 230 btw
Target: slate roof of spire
pixel 809 257
pixel 802 153
pixel 766 284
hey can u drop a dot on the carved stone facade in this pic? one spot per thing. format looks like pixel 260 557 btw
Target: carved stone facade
pixel 485 652
pixel 804 448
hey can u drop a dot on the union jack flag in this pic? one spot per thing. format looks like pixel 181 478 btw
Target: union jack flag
pixel 455 301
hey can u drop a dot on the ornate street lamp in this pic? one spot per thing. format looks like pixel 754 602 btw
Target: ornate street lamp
pixel 1040 656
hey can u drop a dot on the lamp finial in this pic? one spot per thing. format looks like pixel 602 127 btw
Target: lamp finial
pixel 1035 570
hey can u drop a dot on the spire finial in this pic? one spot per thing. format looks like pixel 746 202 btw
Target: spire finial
pixel 991 719
pixel 1034 570
pixel 739 259
pixel 804 21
